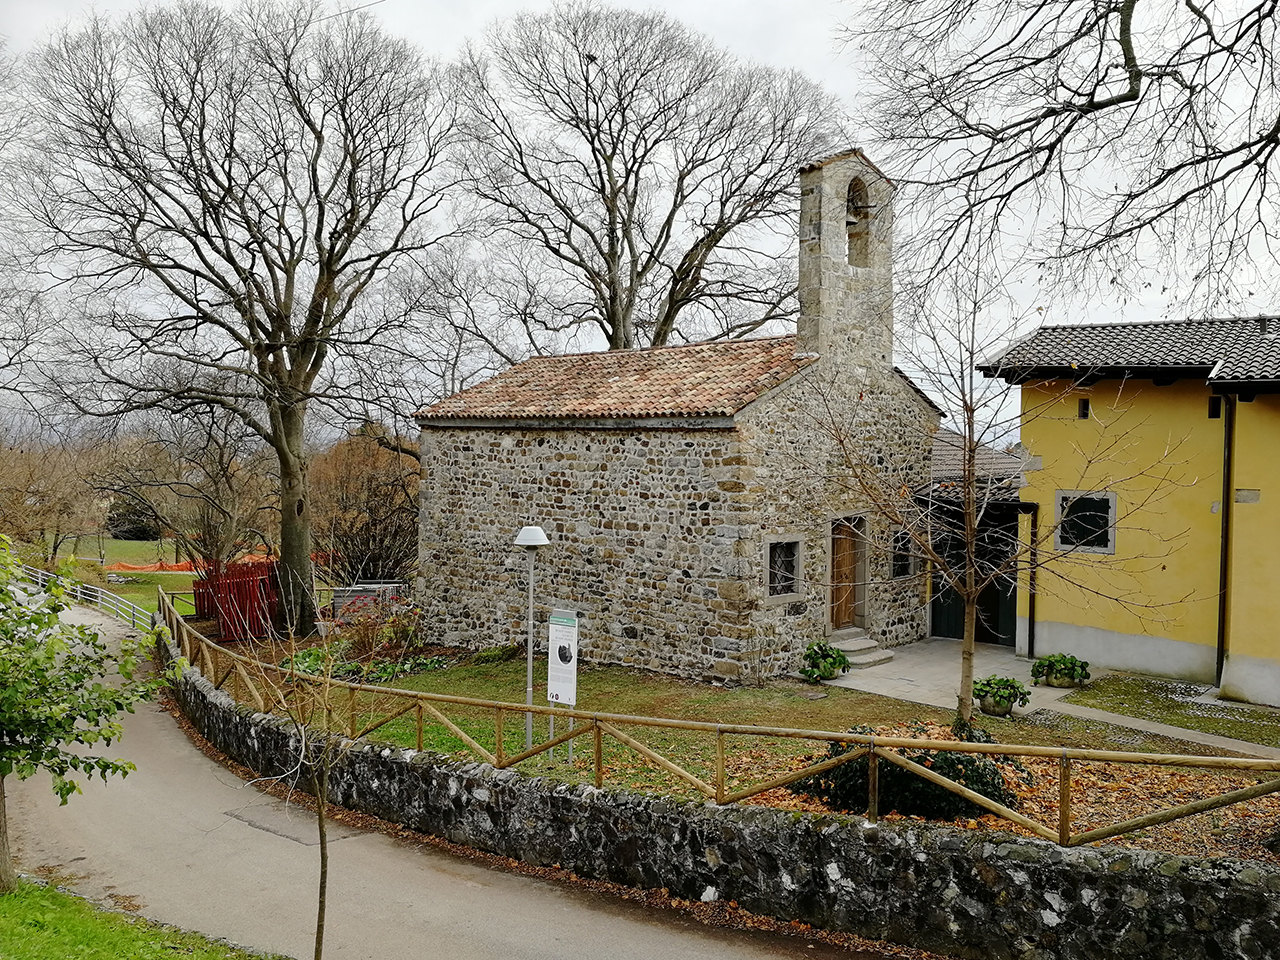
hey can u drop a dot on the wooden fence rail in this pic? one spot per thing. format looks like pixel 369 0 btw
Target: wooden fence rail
pixel 271 687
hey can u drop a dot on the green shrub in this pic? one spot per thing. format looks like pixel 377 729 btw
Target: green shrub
pixel 845 787
pixel 1002 690
pixel 822 660
pixel 1062 665
pixel 498 654
pixel 382 671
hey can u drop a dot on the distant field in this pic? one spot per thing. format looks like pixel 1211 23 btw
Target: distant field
pixel 122 551
pixel 141 587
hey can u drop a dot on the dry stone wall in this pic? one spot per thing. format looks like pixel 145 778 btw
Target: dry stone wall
pixel 979 894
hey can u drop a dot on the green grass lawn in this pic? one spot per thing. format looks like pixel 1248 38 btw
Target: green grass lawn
pixel 781 703
pixel 39 923
pixel 140 587
pixel 121 551
pixel 1173 702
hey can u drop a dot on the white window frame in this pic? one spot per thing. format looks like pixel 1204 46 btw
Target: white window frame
pixel 799 592
pixel 1059 496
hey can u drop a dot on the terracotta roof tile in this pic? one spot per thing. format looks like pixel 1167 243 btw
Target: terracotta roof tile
pixel 1228 350
pixel 714 379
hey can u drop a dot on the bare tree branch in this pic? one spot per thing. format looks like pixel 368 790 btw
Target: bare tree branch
pixel 642 171
pixel 221 190
pixel 1107 137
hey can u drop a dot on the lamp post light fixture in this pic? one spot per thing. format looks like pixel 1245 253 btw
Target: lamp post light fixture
pixel 531 538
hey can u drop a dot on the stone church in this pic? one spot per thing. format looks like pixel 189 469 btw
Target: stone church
pixel 703 514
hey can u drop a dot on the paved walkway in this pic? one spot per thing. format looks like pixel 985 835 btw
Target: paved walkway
pixel 187 843
pixel 929 672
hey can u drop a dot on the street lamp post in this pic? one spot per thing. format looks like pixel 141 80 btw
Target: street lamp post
pixel 531 538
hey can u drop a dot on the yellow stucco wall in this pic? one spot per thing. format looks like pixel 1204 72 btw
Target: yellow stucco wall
pixel 1253 618
pixel 1157 449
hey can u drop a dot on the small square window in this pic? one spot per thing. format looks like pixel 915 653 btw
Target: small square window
pixel 784 568
pixel 902 560
pixel 1082 409
pixel 1215 408
pixel 1086 521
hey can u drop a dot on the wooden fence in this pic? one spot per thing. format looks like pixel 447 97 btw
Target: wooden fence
pixel 342 705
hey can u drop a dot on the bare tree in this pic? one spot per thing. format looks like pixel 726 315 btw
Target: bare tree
pixel 223 188
pixel 207 480
pixel 20 305
pixel 450 330
pixel 365 497
pixel 1091 132
pixel 637 177
pixel 47 495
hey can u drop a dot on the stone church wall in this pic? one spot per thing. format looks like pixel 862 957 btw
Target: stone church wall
pixel 651 532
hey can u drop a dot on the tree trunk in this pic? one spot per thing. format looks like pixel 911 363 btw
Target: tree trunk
pixel 320 780
pixel 965 706
pixel 297 616
pixel 8 876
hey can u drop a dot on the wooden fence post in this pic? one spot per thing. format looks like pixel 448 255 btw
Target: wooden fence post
pixel 599 758
pixel 719 766
pixel 499 736
pixel 1064 800
pixel 873 784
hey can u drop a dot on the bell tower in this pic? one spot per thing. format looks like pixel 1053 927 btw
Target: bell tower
pixel 846 262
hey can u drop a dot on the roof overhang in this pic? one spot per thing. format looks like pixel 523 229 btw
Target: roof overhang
pixel 1085 376
pixel 577 423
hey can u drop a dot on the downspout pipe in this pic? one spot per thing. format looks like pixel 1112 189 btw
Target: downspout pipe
pixel 1224 555
pixel 1032 510
pixel 1031 581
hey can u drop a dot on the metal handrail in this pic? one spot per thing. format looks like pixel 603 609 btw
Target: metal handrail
pixel 88 595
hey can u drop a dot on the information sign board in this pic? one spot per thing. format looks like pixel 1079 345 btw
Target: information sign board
pixel 562 657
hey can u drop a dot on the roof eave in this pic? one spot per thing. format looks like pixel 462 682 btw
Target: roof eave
pixel 1025 373
pixel 710 421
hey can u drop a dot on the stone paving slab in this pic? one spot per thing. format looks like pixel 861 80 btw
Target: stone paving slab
pixel 928 672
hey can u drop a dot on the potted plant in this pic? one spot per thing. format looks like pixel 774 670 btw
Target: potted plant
pixel 1060 670
pixel 997 695
pixel 822 660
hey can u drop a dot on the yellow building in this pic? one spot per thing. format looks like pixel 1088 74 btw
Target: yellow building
pixel 1154 470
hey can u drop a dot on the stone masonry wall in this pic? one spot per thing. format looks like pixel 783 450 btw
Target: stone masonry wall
pixel 979 894
pixel 650 532
pixel 659 537
pixel 810 483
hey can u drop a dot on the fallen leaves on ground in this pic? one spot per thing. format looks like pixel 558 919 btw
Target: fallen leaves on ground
pixel 1102 793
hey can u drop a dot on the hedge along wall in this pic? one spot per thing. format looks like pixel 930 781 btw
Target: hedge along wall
pixel 969 893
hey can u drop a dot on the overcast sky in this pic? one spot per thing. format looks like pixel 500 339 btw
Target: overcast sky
pixel 798 34
pixel 783 33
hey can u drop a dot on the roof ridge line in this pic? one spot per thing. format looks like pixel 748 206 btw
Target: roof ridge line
pixel 1150 323
pixel 676 346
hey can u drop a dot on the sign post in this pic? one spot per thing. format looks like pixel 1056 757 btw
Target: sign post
pixel 562 664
